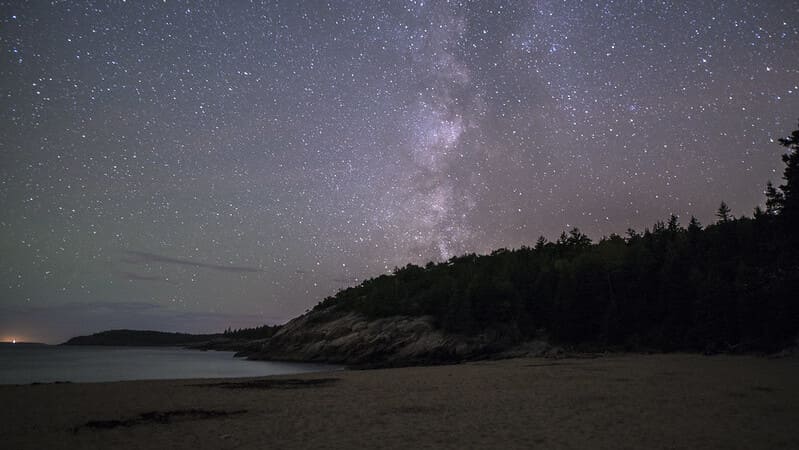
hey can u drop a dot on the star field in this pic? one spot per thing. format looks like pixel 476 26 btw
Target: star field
pixel 198 165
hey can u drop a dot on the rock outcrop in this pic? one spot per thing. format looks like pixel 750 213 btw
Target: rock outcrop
pixel 349 338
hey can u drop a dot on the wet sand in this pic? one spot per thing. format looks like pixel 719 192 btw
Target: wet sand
pixel 612 402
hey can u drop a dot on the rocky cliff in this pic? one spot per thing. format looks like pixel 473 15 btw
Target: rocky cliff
pixel 349 338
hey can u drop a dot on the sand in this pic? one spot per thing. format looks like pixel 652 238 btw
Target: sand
pixel 612 402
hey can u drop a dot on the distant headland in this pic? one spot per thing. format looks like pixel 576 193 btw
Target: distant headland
pixel 141 338
pixel 21 343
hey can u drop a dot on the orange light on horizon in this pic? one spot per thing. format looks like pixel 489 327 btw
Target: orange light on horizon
pixel 12 339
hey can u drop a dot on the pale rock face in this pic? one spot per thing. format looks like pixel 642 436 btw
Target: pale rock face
pixel 328 336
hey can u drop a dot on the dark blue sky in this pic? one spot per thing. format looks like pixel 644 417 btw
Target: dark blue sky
pixel 198 165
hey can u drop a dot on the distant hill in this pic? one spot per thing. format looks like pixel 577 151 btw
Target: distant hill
pixel 18 343
pixel 145 338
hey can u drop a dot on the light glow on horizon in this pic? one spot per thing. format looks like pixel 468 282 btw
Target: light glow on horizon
pixel 13 339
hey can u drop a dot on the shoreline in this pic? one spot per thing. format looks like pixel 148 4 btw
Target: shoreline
pixel 613 401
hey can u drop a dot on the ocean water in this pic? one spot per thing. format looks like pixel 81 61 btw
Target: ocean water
pixel 22 364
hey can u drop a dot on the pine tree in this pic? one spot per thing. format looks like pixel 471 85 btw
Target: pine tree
pixel 578 239
pixel 723 213
pixel 540 243
pixel 790 189
pixel 694 225
pixel 674 224
pixel 774 199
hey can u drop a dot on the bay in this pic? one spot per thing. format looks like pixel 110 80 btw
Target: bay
pixel 24 364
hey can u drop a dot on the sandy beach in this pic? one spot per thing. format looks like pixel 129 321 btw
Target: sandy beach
pixel 612 402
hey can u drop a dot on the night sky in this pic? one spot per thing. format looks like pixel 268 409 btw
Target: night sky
pixel 191 166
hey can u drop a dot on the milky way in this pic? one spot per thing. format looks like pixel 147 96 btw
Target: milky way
pixel 198 165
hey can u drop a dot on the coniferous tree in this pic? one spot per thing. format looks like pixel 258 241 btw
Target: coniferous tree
pixel 723 213
pixel 790 189
pixel 540 243
pixel 694 225
pixel 673 224
pixel 774 199
pixel 577 238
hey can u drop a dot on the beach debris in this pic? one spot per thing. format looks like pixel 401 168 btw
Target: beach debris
pixel 179 415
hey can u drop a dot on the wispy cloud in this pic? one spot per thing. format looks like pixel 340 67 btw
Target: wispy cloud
pixel 138 257
pixel 132 276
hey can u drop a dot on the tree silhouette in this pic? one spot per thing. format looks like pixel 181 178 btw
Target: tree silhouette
pixel 790 189
pixel 694 225
pixel 674 224
pixel 723 213
pixel 774 199
pixel 540 243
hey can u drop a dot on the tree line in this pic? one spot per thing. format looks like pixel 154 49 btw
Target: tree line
pixel 731 285
pixel 262 332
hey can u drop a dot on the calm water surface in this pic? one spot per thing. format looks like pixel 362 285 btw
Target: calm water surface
pixel 21 364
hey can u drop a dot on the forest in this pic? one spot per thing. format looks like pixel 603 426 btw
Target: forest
pixel 138 338
pixel 727 286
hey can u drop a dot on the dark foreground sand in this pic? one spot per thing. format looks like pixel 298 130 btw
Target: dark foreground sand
pixel 629 401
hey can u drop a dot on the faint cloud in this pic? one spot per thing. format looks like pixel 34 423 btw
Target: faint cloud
pixel 138 257
pixel 131 276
